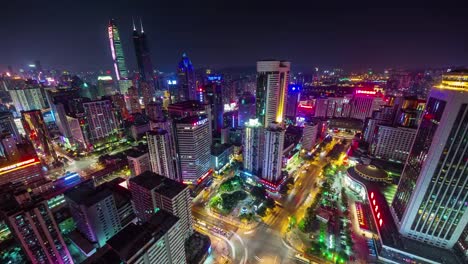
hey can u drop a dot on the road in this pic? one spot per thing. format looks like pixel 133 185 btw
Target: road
pixel 265 244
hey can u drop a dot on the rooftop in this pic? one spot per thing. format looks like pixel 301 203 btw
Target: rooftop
pixel 86 194
pixel 133 153
pixel 190 104
pixel 370 172
pixel 191 119
pixel 162 185
pixel 133 238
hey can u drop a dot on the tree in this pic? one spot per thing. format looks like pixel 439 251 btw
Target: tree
pixel 258 192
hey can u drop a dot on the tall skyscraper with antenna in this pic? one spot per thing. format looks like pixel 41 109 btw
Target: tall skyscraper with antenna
pixel 117 51
pixel 145 67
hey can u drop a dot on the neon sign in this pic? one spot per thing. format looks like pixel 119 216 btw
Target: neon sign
pixel 200 122
pixel 365 92
pixel 19 165
pixel 204 176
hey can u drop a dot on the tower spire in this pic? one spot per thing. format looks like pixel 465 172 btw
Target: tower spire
pixel 133 23
pixel 141 25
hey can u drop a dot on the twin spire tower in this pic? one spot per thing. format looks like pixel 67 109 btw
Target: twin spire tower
pixel 145 67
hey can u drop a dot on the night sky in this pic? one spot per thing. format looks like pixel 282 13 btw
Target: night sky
pixel 73 35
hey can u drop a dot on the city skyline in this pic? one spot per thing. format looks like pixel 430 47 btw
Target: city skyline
pixel 339 35
pixel 215 162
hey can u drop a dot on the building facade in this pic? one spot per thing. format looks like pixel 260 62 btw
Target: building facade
pixel 193 145
pixel 162 154
pixel 272 85
pixel 253 144
pixel 273 153
pixel 392 143
pixel 100 120
pixel 430 202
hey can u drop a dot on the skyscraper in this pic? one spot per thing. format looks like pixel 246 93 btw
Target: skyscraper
pixel 430 202
pixel 94 212
pixel 143 57
pixel 33 225
pixel 193 145
pixel 117 51
pixel 292 101
pixel 253 145
pixel 100 119
pixel 160 240
pixel 272 85
pixel 36 129
pixel 273 153
pixel 309 137
pixel 246 108
pixel 152 192
pixel 163 157
pixel 186 80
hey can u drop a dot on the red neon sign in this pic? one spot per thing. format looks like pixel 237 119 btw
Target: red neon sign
pixel 376 208
pixel 380 222
pixel 372 195
pixel 365 92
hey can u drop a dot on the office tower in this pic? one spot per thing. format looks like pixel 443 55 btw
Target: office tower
pixel 94 212
pixel 105 86
pixel 292 101
pixel 77 125
pixel 38 134
pixel 28 96
pixel 309 137
pixel 118 57
pixel 119 104
pixel 190 108
pixel 363 103
pixel 273 153
pixel 132 99
pixel 100 119
pixel 186 80
pixel 160 240
pixel 124 85
pixel 430 202
pixel 214 98
pixel 231 119
pixel 193 144
pixel 162 154
pixel 253 146
pixel 7 125
pixel 392 143
pixel 272 85
pixel 221 155
pixel 154 110
pixel 152 192
pixel 138 162
pixel 143 57
pixel 8 147
pixel 147 92
pixel 247 108
pixel 61 119
pixel 34 227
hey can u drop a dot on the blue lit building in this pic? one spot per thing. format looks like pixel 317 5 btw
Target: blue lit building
pixel 292 100
pixel 186 80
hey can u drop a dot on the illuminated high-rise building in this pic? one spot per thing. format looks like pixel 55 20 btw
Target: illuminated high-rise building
pixel 117 51
pixel 273 153
pixel 131 98
pixel 34 227
pixel 186 80
pixel 292 101
pixel 162 154
pixel 39 135
pixel 100 120
pixel 247 108
pixel 253 146
pixel 430 202
pixel 145 67
pixel 152 192
pixel 193 145
pixel 272 85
